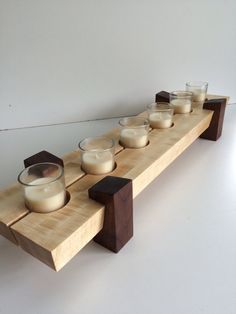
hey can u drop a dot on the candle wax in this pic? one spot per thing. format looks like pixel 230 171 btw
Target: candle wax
pixel 160 120
pixel 199 97
pixel 46 196
pixel 134 138
pixel 181 105
pixel 97 162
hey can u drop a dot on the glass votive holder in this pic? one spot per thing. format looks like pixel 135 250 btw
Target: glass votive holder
pixel 44 187
pixel 199 90
pixel 134 132
pixel 181 101
pixel 160 115
pixel 97 155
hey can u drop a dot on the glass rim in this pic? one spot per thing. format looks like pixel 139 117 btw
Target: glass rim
pixel 181 94
pixel 197 84
pixel 108 139
pixel 145 122
pixel 38 164
pixel 159 106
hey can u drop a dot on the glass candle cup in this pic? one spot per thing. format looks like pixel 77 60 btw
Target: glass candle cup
pixel 97 155
pixel 181 101
pixel 44 187
pixel 160 115
pixel 134 132
pixel 199 90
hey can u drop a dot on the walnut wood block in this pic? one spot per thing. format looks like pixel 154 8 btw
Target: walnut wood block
pixel 56 237
pixel 116 194
pixel 43 156
pixel 162 96
pixel 215 129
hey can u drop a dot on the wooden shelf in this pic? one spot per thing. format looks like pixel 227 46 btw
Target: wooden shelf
pixel 56 237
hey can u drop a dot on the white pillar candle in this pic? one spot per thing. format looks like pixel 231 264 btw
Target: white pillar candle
pixel 160 120
pixel 134 138
pixel 98 162
pixel 181 105
pixel 45 196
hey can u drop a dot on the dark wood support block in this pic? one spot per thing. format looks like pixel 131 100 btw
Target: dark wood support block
pixel 162 97
pixel 43 156
pixel 117 196
pixel 40 157
pixel 215 129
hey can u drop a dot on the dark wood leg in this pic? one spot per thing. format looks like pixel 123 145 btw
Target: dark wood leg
pixel 116 194
pixel 162 97
pixel 42 156
pixel 215 129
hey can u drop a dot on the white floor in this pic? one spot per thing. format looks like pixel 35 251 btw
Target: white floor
pixel 182 259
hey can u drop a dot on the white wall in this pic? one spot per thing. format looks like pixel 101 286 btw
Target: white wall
pixel 73 60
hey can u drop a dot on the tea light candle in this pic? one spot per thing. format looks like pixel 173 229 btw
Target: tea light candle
pixel 44 187
pixel 199 90
pixel 97 155
pixel 160 120
pixel 43 196
pixel 134 132
pixel 98 162
pixel 160 115
pixel 181 105
pixel 134 138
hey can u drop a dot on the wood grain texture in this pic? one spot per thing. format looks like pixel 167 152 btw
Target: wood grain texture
pixel 12 207
pixel 116 194
pixel 55 239
pixel 7 233
pixel 61 234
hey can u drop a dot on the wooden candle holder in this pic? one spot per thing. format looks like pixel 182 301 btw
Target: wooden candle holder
pixel 56 237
